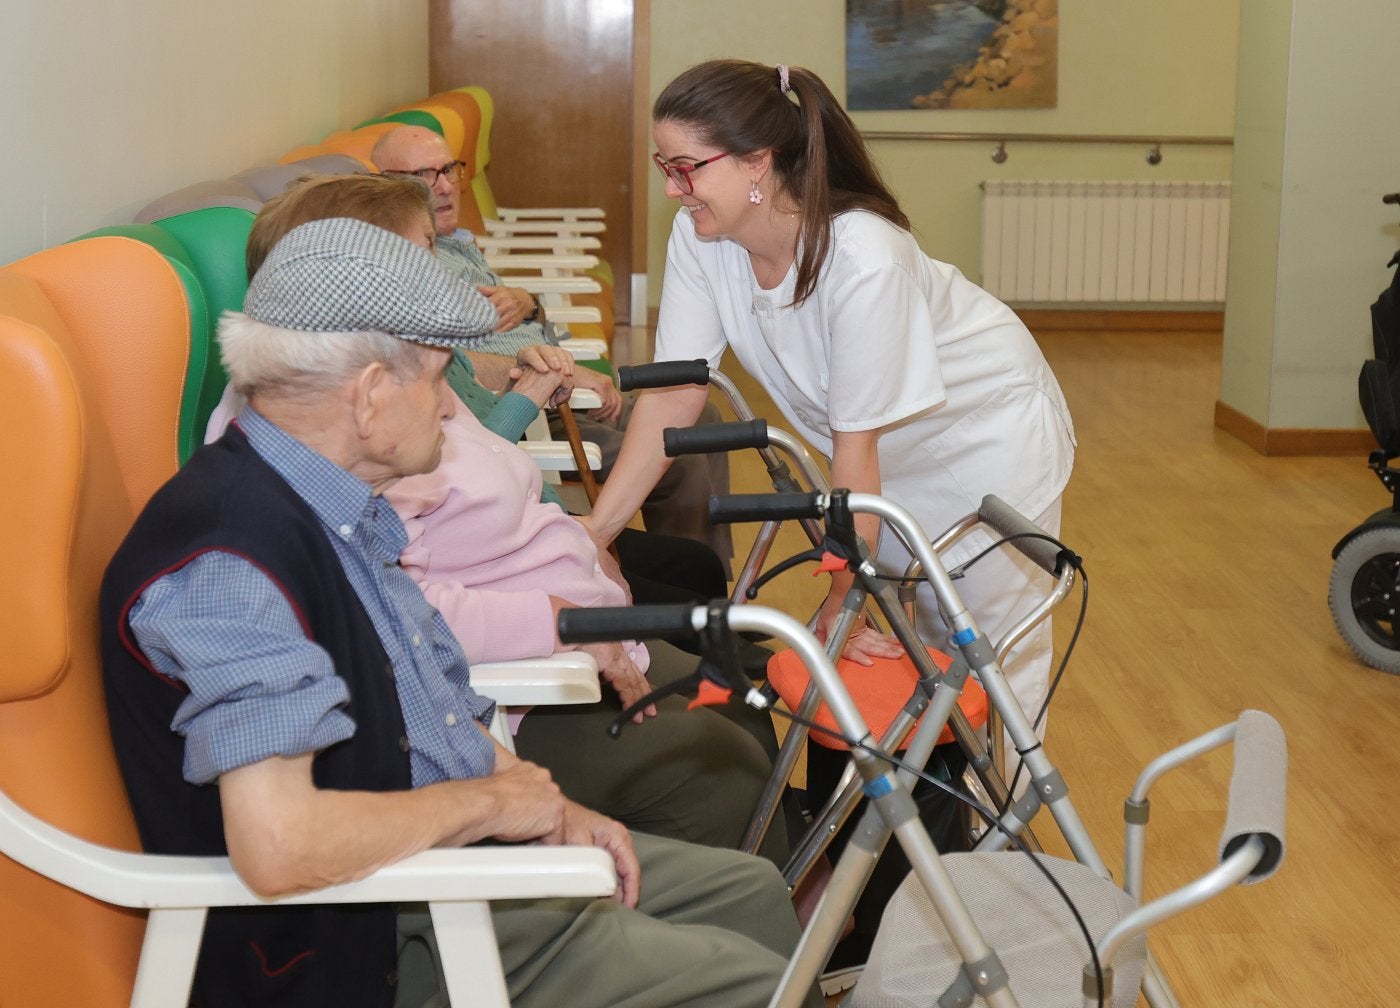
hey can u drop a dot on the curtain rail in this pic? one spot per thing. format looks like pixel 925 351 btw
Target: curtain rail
pixel 1087 138
pixel 999 154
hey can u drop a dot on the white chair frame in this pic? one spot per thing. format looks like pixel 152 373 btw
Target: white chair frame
pixel 458 885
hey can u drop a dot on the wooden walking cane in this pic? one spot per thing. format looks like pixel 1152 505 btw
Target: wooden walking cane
pixel 585 471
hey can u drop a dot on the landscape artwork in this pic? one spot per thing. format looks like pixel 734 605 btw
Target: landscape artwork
pixel 951 54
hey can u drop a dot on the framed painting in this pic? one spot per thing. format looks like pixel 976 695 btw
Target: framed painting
pixel 951 54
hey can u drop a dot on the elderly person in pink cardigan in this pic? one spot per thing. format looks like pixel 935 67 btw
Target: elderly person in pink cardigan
pixel 499 565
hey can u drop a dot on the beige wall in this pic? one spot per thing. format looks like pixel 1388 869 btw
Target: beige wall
pixel 1126 67
pixel 105 106
pixel 1317 146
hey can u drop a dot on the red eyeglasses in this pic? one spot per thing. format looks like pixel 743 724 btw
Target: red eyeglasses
pixel 680 173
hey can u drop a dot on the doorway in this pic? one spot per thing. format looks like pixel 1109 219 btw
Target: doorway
pixel 569 81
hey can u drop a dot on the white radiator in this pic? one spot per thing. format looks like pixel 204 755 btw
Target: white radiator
pixel 1105 241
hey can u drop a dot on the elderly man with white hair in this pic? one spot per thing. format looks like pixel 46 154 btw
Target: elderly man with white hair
pixel 279 689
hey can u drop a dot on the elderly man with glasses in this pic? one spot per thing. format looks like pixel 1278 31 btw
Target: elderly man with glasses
pixel 679 505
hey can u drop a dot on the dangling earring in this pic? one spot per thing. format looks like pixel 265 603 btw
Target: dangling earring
pixel 755 197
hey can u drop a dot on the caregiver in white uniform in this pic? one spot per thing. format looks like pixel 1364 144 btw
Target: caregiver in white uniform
pixel 913 382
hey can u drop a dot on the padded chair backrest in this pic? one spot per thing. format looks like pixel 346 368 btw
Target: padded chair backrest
pixel 441 119
pixel 481 188
pixel 333 164
pixel 206 248
pixel 454 131
pixel 313 152
pixel 269 180
pixel 469 112
pixel 216 240
pixel 214 192
pixel 407 117
pixel 358 143
pixel 469 213
pixel 93 345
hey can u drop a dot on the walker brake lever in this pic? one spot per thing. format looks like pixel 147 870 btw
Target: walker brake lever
pixel 720 665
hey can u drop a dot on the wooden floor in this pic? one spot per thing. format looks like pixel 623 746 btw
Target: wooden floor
pixel 1208 568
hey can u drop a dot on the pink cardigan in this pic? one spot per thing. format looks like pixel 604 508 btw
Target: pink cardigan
pixel 488 554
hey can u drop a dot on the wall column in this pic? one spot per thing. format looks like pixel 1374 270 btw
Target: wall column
pixel 1316 146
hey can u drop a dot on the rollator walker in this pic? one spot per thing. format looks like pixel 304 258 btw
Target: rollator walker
pixel 986 926
pixel 892 701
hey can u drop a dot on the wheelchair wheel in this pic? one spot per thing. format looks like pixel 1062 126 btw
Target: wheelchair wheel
pixel 1364 596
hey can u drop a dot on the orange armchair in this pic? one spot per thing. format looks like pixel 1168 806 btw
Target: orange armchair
pixel 93 343
pixel 94 337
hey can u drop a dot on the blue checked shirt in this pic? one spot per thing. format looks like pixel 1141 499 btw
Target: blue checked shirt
pixel 258 687
pixel 460 255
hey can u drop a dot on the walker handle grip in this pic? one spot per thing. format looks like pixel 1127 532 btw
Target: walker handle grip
pixel 764 507
pixel 1258 789
pixel 715 437
pixel 612 623
pixel 1024 534
pixel 663 374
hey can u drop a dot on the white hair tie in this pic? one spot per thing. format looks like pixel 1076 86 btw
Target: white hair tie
pixel 783 85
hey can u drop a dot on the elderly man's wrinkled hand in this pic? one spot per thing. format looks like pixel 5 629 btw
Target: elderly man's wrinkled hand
pixel 586 828
pixel 529 804
pixel 512 304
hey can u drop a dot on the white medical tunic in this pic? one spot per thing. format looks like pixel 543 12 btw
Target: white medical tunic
pixel 889 338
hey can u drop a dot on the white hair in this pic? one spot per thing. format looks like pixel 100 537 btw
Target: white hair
pixel 266 359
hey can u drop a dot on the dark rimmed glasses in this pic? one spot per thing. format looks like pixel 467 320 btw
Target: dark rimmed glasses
pixel 452 171
pixel 680 173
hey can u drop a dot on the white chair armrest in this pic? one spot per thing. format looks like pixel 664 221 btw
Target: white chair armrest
pixel 128 879
pixel 571 313
pixel 585 349
pixel 557 244
pixel 561 213
pixel 584 399
pixel 550 264
pixel 555 456
pixel 557 285
pixel 569 677
pixel 177 892
pixel 502 227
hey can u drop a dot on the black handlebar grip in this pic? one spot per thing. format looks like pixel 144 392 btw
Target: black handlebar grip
pixel 1391 198
pixel 605 623
pixel 1022 533
pixel 663 374
pixel 764 507
pixel 715 437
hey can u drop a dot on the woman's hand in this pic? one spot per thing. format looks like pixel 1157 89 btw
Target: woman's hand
pixel 611 409
pixel 607 563
pixel 864 643
pixel 599 542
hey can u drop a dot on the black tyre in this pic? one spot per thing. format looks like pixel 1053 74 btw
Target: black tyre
pixel 1364 596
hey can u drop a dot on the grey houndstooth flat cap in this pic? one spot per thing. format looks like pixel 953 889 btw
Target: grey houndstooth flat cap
pixel 343 275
